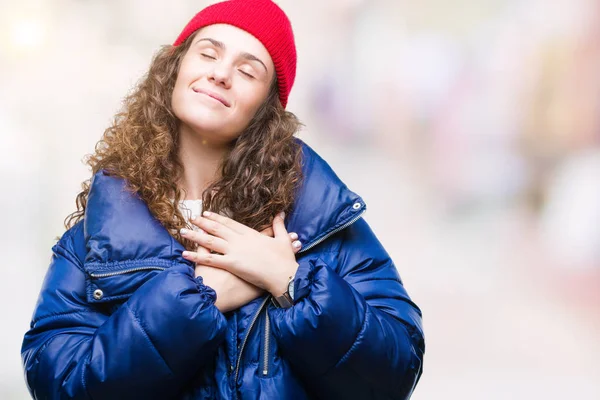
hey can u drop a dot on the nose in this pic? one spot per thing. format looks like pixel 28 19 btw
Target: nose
pixel 220 75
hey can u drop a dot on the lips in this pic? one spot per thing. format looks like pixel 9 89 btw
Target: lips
pixel 213 95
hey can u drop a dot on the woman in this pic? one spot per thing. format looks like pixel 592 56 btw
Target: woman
pixel 142 301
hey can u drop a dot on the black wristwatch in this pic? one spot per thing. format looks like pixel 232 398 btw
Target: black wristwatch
pixel 286 300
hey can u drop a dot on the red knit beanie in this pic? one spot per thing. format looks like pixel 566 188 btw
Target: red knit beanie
pixel 265 21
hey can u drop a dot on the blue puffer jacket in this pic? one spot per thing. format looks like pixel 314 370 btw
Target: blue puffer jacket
pixel 121 316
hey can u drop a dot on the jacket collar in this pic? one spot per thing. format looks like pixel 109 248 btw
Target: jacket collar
pixel 119 228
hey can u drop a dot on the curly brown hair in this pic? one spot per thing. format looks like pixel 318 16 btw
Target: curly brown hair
pixel 258 177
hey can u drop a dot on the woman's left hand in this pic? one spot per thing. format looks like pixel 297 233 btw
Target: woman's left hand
pixel 266 262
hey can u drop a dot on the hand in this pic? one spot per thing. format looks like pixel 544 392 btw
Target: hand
pixel 233 292
pixel 265 262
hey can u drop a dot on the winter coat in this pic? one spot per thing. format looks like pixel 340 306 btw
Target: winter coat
pixel 121 315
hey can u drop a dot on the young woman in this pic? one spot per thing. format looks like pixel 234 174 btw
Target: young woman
pixel 147 299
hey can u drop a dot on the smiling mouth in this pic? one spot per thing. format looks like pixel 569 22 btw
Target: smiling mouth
pixel 212 95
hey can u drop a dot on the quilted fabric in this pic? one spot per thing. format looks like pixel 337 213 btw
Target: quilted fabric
pixel 121 316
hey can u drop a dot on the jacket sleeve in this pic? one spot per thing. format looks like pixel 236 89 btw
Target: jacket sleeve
pixel 353 333
pixel 148 349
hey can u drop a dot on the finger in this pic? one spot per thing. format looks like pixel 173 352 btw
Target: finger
pixel 208 259
pixel 296 246
pixel 228 222
pixel 279 227
pixel 205 240
pixel 202 250
pixel 268 231
pixel 214 228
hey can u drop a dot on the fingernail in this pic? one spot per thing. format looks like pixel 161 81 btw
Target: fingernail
pixel 282 215
pixel 200 230
pixel 184 231
pixel 297 244
pixel 294 235
pixel 206 213
pixel 186 253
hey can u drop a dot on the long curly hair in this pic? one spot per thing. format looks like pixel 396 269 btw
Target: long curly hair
pixel 258 177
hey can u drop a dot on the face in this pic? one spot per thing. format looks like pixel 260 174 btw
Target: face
pixel 223 79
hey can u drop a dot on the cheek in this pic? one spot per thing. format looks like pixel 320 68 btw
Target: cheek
pixel 251 100
pixel 177 101
pixel 180 91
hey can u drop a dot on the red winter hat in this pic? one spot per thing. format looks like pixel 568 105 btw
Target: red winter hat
pixel 265 21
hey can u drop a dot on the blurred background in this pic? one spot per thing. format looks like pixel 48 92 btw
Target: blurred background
pixel 470 127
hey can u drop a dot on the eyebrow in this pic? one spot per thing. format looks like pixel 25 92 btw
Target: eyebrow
pixel 244 54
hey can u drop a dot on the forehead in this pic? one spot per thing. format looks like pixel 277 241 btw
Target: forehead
pixel 236 40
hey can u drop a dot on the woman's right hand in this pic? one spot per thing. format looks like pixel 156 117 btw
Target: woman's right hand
pixel 232 291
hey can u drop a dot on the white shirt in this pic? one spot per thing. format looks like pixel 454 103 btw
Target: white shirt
pixel 191 209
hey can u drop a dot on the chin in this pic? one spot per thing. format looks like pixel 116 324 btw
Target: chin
pixel 213 131
pixel 215 125
pixel 205 120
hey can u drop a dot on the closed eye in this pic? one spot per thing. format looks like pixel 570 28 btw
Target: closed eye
pixel 247 74
pixel 207 56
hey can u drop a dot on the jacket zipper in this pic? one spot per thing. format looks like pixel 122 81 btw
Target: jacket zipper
pixel 265 370
pixel 344 226
pixel 267 346
pixel 267 321
pixel 239 359
pixel 125 271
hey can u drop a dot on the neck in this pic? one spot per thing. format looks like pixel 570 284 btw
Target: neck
pixel 201 161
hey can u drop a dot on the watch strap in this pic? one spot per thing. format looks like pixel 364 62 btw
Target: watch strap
pixel 286 300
